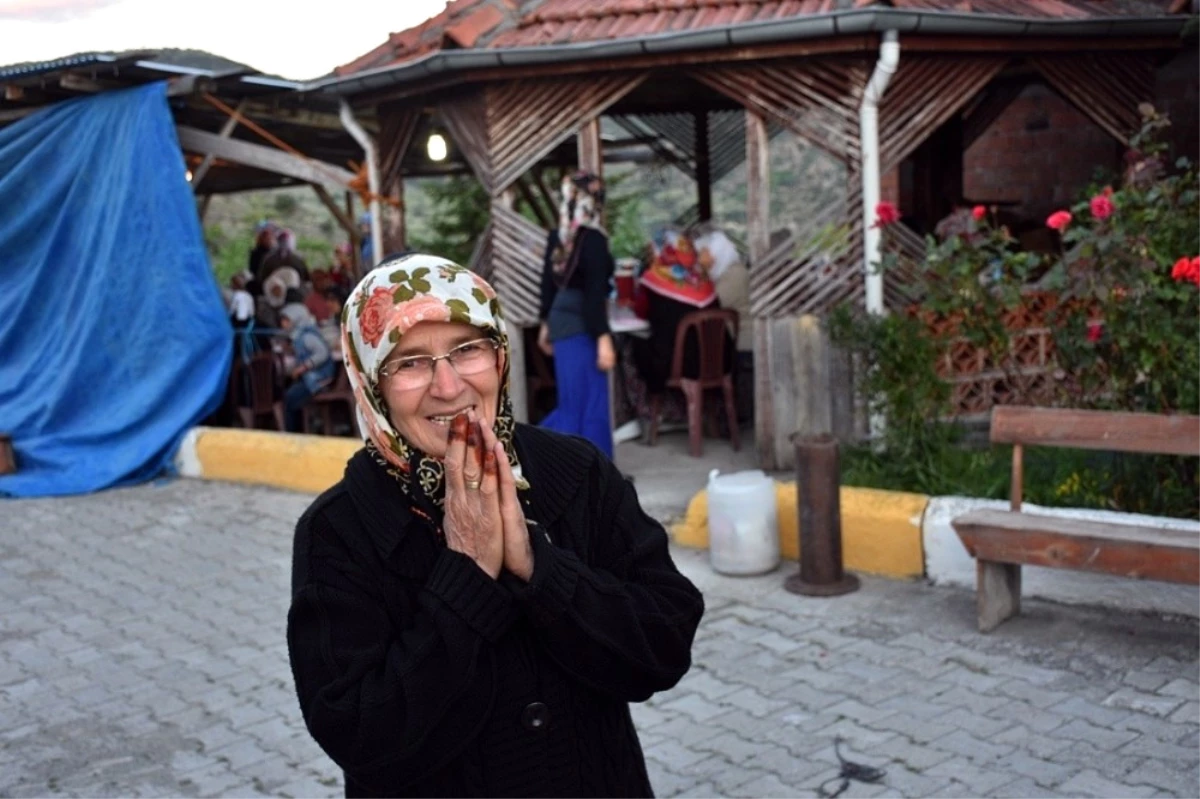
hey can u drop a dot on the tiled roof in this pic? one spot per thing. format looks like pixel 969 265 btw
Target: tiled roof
pixel 534 23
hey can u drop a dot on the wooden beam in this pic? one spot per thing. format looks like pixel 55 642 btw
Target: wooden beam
pixel 342 219
pixel 206 164
pixel 77 83
pixel 265 158
pixel 189 84
pixel 260 111
pixel 758 188
pixel 534 205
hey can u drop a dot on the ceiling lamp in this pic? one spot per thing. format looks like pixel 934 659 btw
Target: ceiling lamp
pixel 436 147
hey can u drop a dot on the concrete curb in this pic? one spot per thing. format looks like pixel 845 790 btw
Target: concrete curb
pixel 881 530
pixel 283 460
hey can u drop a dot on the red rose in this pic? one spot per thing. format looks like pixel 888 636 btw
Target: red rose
pixel 1107 191
pixel 1059 220
pixel 1102 207
pixel 1186 270
pixel 1095 331
pixel 979 212
pixel 375 315
pixel 886 214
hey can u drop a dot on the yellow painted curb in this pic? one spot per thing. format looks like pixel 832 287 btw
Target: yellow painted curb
pixel 283 460
pixel 881 530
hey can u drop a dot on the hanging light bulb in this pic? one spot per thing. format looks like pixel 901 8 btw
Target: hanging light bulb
pixel 189 176
pixel 436 147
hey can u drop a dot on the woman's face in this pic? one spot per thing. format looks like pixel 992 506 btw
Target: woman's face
pixel 422 415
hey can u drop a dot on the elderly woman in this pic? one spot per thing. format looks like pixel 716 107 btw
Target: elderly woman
pixel 476 602
pixel 314 363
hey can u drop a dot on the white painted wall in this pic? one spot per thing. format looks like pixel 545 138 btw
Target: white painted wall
pixel 947 562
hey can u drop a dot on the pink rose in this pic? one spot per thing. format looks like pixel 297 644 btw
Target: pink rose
pixel 374 315
pixel 1102 207
pixel 1059 220
pixel 419 309
pixel 979 212
pixel 886 214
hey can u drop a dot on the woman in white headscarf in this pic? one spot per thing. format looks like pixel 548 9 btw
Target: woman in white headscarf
pixel 475 604
pixel 314 363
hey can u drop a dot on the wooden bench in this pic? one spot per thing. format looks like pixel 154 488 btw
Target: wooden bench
pixel 1001 541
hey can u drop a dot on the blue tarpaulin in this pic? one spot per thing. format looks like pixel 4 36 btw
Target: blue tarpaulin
pixel 113 336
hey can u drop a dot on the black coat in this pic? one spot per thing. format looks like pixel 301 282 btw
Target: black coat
pixel 421 676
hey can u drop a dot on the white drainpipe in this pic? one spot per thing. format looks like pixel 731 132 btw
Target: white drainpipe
pixel 371 153
pixel 868 123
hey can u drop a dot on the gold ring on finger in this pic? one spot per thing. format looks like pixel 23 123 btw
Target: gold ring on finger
pixel 473 485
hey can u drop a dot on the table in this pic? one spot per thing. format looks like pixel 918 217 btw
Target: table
pixel 622 321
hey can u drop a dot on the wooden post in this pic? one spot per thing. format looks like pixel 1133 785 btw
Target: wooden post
pixel 703 167
pixel 591 155
pixel 355 239
pixel 758 236
pixel 393 217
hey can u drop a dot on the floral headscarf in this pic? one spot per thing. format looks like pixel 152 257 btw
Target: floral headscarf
pixel 396 295
pixel 674 273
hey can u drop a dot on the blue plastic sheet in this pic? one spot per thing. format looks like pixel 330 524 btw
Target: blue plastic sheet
pixel 113 336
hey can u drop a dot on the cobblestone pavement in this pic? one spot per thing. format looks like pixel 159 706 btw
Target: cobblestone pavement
pixel 142 653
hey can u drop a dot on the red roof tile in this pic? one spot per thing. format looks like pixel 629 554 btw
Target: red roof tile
pixel 534 23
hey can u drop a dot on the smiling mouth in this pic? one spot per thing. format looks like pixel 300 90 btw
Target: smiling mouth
pixel 445 421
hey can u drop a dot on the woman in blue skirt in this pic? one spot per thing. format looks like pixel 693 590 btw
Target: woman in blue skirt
pixel 574 312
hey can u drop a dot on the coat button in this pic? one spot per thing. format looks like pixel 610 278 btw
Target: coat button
pixel 536 716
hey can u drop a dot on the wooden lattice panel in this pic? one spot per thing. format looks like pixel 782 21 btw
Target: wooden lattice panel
pixel 808 272
pixel 465 116
pixel 816 99
pixel 925 92
pixel 1106 88
pixel 527 119
pixel 517 247
pixel 398 124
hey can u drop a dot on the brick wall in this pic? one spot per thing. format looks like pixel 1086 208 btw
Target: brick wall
pixel 1039 154
pixel 1042 151
pixel 1178 95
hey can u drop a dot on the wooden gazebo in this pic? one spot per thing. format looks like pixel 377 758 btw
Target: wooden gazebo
pixel 512 84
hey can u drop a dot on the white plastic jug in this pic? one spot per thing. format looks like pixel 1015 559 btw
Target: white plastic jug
pixel 743 525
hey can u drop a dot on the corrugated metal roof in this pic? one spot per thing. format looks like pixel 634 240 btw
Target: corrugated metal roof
pixel 508 24
pixel 32 68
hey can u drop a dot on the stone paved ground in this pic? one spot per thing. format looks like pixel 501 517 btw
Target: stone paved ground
pixel 142 654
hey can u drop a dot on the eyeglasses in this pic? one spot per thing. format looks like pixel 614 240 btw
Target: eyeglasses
pixel 416 371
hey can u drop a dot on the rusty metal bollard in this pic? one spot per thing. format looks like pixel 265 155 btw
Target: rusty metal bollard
pixel 818 504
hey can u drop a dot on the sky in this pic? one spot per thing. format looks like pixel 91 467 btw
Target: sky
pixel 272 36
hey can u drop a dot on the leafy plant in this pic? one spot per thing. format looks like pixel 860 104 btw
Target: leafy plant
pixel 1126 333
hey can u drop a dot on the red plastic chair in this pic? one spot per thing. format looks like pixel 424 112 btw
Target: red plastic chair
pixel 710 328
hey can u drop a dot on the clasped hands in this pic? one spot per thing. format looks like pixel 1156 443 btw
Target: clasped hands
pixel 483 517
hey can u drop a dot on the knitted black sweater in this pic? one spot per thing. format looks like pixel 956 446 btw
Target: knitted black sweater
pixel 421 676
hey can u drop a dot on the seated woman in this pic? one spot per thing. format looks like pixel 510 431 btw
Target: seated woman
pixel 314 364
pixel 673 285
pixel 718 256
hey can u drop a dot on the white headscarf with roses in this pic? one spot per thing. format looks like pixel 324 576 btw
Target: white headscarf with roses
pixel 396 295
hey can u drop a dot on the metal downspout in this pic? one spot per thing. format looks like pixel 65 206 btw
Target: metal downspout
pixel 371 152
pixel 868 122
